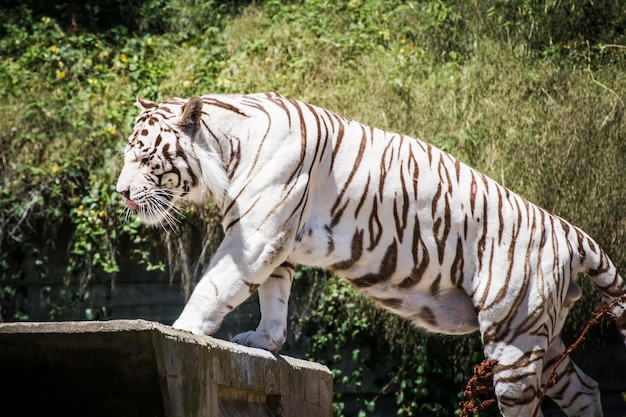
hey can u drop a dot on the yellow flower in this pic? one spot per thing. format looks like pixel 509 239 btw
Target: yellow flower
pixel 60 75
pixel 101 213
pixel 55 169
pixel 123 58
pixel 112 130
pixel 92 213
pixel 54 49
pixel 186 83
pixel 79 213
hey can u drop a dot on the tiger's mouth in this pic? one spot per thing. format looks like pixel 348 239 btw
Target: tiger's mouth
pixel 131 204
pixel 153 206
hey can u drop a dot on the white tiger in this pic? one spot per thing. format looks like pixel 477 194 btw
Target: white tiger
pixel 412 228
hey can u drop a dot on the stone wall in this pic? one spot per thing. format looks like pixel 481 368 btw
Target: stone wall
pixel 141 368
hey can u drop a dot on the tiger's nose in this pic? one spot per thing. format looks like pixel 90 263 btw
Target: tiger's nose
pixel 125 193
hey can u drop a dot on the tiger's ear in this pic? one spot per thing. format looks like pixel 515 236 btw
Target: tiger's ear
pixel 192 111
pixel 144 104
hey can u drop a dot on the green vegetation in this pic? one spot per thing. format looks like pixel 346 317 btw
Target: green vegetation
pixel 530 93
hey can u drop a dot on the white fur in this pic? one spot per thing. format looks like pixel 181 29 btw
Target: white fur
pixel 420 233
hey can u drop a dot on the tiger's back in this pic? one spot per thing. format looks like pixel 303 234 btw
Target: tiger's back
pixel 413 228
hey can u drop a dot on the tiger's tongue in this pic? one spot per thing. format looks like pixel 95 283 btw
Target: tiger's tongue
pixel 131 204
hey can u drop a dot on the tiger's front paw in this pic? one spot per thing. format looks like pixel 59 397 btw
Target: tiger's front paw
pixel 189 327
pixel 261 340
pixel 195 326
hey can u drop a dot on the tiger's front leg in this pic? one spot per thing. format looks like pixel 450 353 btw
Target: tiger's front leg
pixel 273 298
pixel 238 268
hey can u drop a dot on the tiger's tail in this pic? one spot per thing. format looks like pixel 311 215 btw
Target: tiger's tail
pixel 605 276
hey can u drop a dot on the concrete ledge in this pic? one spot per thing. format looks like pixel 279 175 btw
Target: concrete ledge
pixel 140 368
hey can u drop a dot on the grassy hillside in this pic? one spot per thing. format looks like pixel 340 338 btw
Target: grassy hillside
pixel 530 94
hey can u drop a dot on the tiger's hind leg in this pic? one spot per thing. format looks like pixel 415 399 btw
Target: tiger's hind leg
pixel 517 375
pixel 576 393
pixel 273 298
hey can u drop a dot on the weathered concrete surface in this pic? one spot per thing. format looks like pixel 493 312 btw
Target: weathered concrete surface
pixel 141 368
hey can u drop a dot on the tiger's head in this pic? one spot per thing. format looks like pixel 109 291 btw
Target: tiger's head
pixel 167 161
